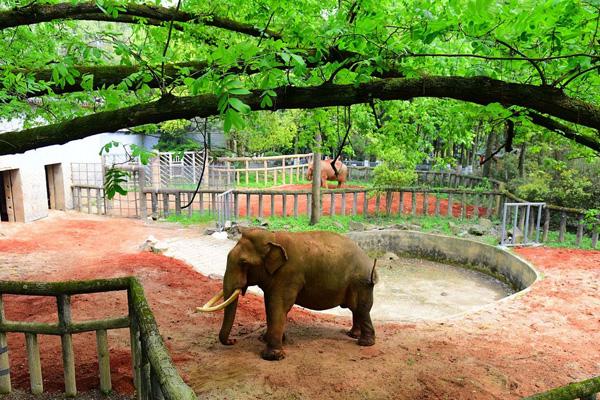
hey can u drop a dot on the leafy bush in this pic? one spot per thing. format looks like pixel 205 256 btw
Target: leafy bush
pixel 386 175
pixel 557 185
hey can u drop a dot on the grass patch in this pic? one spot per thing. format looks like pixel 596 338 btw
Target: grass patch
pixel 185 219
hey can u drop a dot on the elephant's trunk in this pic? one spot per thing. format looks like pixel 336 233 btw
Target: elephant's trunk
pixel 228 319
pixel 231 282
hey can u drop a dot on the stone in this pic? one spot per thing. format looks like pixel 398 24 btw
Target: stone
pixel 485 223
pixel 209 231
pixel 220 235
pixel 477 230
pixel 356 226
pixel 517 233
pixel 227 225
pixel 149 243
pixel 160 247
pixel 338 225
pixel 389 256
pixel 462 234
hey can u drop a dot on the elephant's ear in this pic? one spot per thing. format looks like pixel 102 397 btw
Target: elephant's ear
pixel 275 257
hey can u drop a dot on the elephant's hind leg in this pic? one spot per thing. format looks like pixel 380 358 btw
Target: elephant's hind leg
pixel 354 332
pixel 361 318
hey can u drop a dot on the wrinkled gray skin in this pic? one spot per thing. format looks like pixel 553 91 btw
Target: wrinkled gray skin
pixel 316 270
pixel 328 174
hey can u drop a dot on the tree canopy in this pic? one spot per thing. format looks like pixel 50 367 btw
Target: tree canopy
pixel 79 68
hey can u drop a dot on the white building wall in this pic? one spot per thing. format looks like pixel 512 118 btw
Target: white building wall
pixel 32 172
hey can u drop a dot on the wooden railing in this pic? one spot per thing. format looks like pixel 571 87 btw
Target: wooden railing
pixel 252 203
pixel 432 178
pixel 155 377
pixel 288 169
pixel 584 390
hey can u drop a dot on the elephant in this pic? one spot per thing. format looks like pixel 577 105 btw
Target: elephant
pixel 316 270
pixel 328 174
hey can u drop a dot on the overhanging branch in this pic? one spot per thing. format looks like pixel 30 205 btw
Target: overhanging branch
pixel 37 13
pixel 479 90
pixel 564 131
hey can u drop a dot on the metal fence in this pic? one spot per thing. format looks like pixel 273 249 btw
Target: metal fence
pixel 520 223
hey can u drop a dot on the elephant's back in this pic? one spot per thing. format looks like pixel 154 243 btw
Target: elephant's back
pixel 329 250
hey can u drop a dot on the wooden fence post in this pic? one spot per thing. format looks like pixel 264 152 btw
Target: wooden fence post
pixel 260 205
pixel 413 203
pixel 365 204
pixel 449 212
pixel 165 198
pixel 401 209
pixel 594 235
pixel 344 203
pixel 136 351
pixel 546 224
pixel 579 230
pixel 295 205
pixel 563 226
pixel 64 320
pixel 178 203
pixel 437 205
pixel 5 387
pixel 354 203
pixel 284 204
pixel 425 203
pixel 247 173
pixel 103 361
pixel 388 202
pixel 33 362
pixel 272 204
pixel 248 210
pixel 236 206
pixel 332 204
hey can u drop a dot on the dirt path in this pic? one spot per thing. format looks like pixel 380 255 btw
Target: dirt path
pixel 545 338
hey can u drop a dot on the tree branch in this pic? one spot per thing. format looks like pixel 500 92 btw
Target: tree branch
pixel 37 13
pixel 564 131
pixel 479 90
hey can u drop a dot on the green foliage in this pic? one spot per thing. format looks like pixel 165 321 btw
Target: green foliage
pixel 196 218
pixel 114 180
pixel 560 186
pixel 174 137
pixel 397 168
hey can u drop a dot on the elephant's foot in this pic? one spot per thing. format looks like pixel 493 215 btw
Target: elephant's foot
pixel 366 341
pixel 272 354
pixel 354 333
pixel 264 340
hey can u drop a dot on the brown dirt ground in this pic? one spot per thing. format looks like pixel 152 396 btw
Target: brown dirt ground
pixel 371 202
pixel 541 339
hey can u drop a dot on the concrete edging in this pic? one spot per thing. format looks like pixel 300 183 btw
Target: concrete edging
pixel 491 260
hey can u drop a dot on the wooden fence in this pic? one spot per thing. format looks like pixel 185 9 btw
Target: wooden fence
pixel 274 170
pixel 155 377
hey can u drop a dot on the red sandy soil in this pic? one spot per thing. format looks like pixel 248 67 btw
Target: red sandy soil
pixel 543 338
pixel 338 201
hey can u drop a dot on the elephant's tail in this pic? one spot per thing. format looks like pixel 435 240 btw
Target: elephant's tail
pixel 374 273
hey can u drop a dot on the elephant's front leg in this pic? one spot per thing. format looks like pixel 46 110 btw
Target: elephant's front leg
pixel 276 309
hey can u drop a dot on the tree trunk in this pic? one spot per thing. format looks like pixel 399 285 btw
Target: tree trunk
pixel 522 160
pixel 315 210
pixel 489 149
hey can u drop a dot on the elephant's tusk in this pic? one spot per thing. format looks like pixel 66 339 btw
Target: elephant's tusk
pixel 210 307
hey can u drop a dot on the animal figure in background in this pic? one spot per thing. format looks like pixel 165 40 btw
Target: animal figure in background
pixel 316 270
pixel 328 174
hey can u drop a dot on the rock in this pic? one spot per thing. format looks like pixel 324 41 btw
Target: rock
pixel 160 247
pixel 215 277
pixel 389 256
pixel 261 222
pixel 228 225
pixel 403 226
pixel 209 231
pixel 356 226
pixel 414 227
pixel 462 234
pixel 517 233
pixel 149 243
pixel 454 228
pixel 485 223
pixel 220 235
pixel 338 225
pixel 477 230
